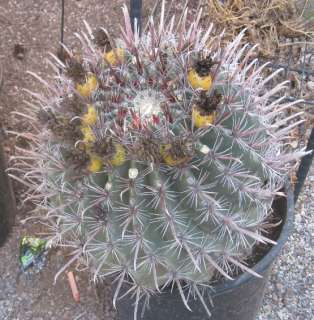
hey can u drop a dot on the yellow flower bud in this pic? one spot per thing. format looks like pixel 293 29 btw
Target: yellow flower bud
pixel 114 56
pixel 199 82
pixel 88 135
pixel 95 164
pixel 90 117
pixel 87 88
pixel 119 157
pixel 200 120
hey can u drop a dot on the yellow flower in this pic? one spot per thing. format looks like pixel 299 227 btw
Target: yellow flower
pixel 202 121
pixel 88 134
pixel 114 56
pixel 119 157
pixel 87 88
pixel 199 82
pixel 168 158
pixel 95 164
pixel 90 117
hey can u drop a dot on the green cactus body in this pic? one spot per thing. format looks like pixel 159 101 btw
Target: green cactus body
pixel 159 163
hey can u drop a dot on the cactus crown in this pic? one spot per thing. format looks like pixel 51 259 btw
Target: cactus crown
pixel 160 155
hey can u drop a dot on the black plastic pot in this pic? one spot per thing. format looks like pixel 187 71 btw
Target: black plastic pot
pixel 239 299
pixel 7 201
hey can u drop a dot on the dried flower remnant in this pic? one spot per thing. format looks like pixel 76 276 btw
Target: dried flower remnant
pixel 75 70
pixel 101 39
pixel 200 76
pixel 205 109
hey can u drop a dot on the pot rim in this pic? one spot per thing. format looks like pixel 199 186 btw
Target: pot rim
pixel 263 264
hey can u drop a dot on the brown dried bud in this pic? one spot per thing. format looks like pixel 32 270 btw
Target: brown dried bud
pixel 72 105
pixel 101 39
pixel 181 148
pixel 209 104
pixel 75 70
pixel 104 147
pixel 203 66
pixel 148 148
pixel 76 157
pixel 61 126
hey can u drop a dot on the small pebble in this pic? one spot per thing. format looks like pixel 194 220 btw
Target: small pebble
pixel 19 51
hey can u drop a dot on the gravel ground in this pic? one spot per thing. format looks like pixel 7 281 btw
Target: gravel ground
pixel 291 289
pixel 35 25
pixel 34 297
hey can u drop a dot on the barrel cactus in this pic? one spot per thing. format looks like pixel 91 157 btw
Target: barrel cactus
pixel 158 156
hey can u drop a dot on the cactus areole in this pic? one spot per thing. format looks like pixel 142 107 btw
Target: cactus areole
pixel 159 155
